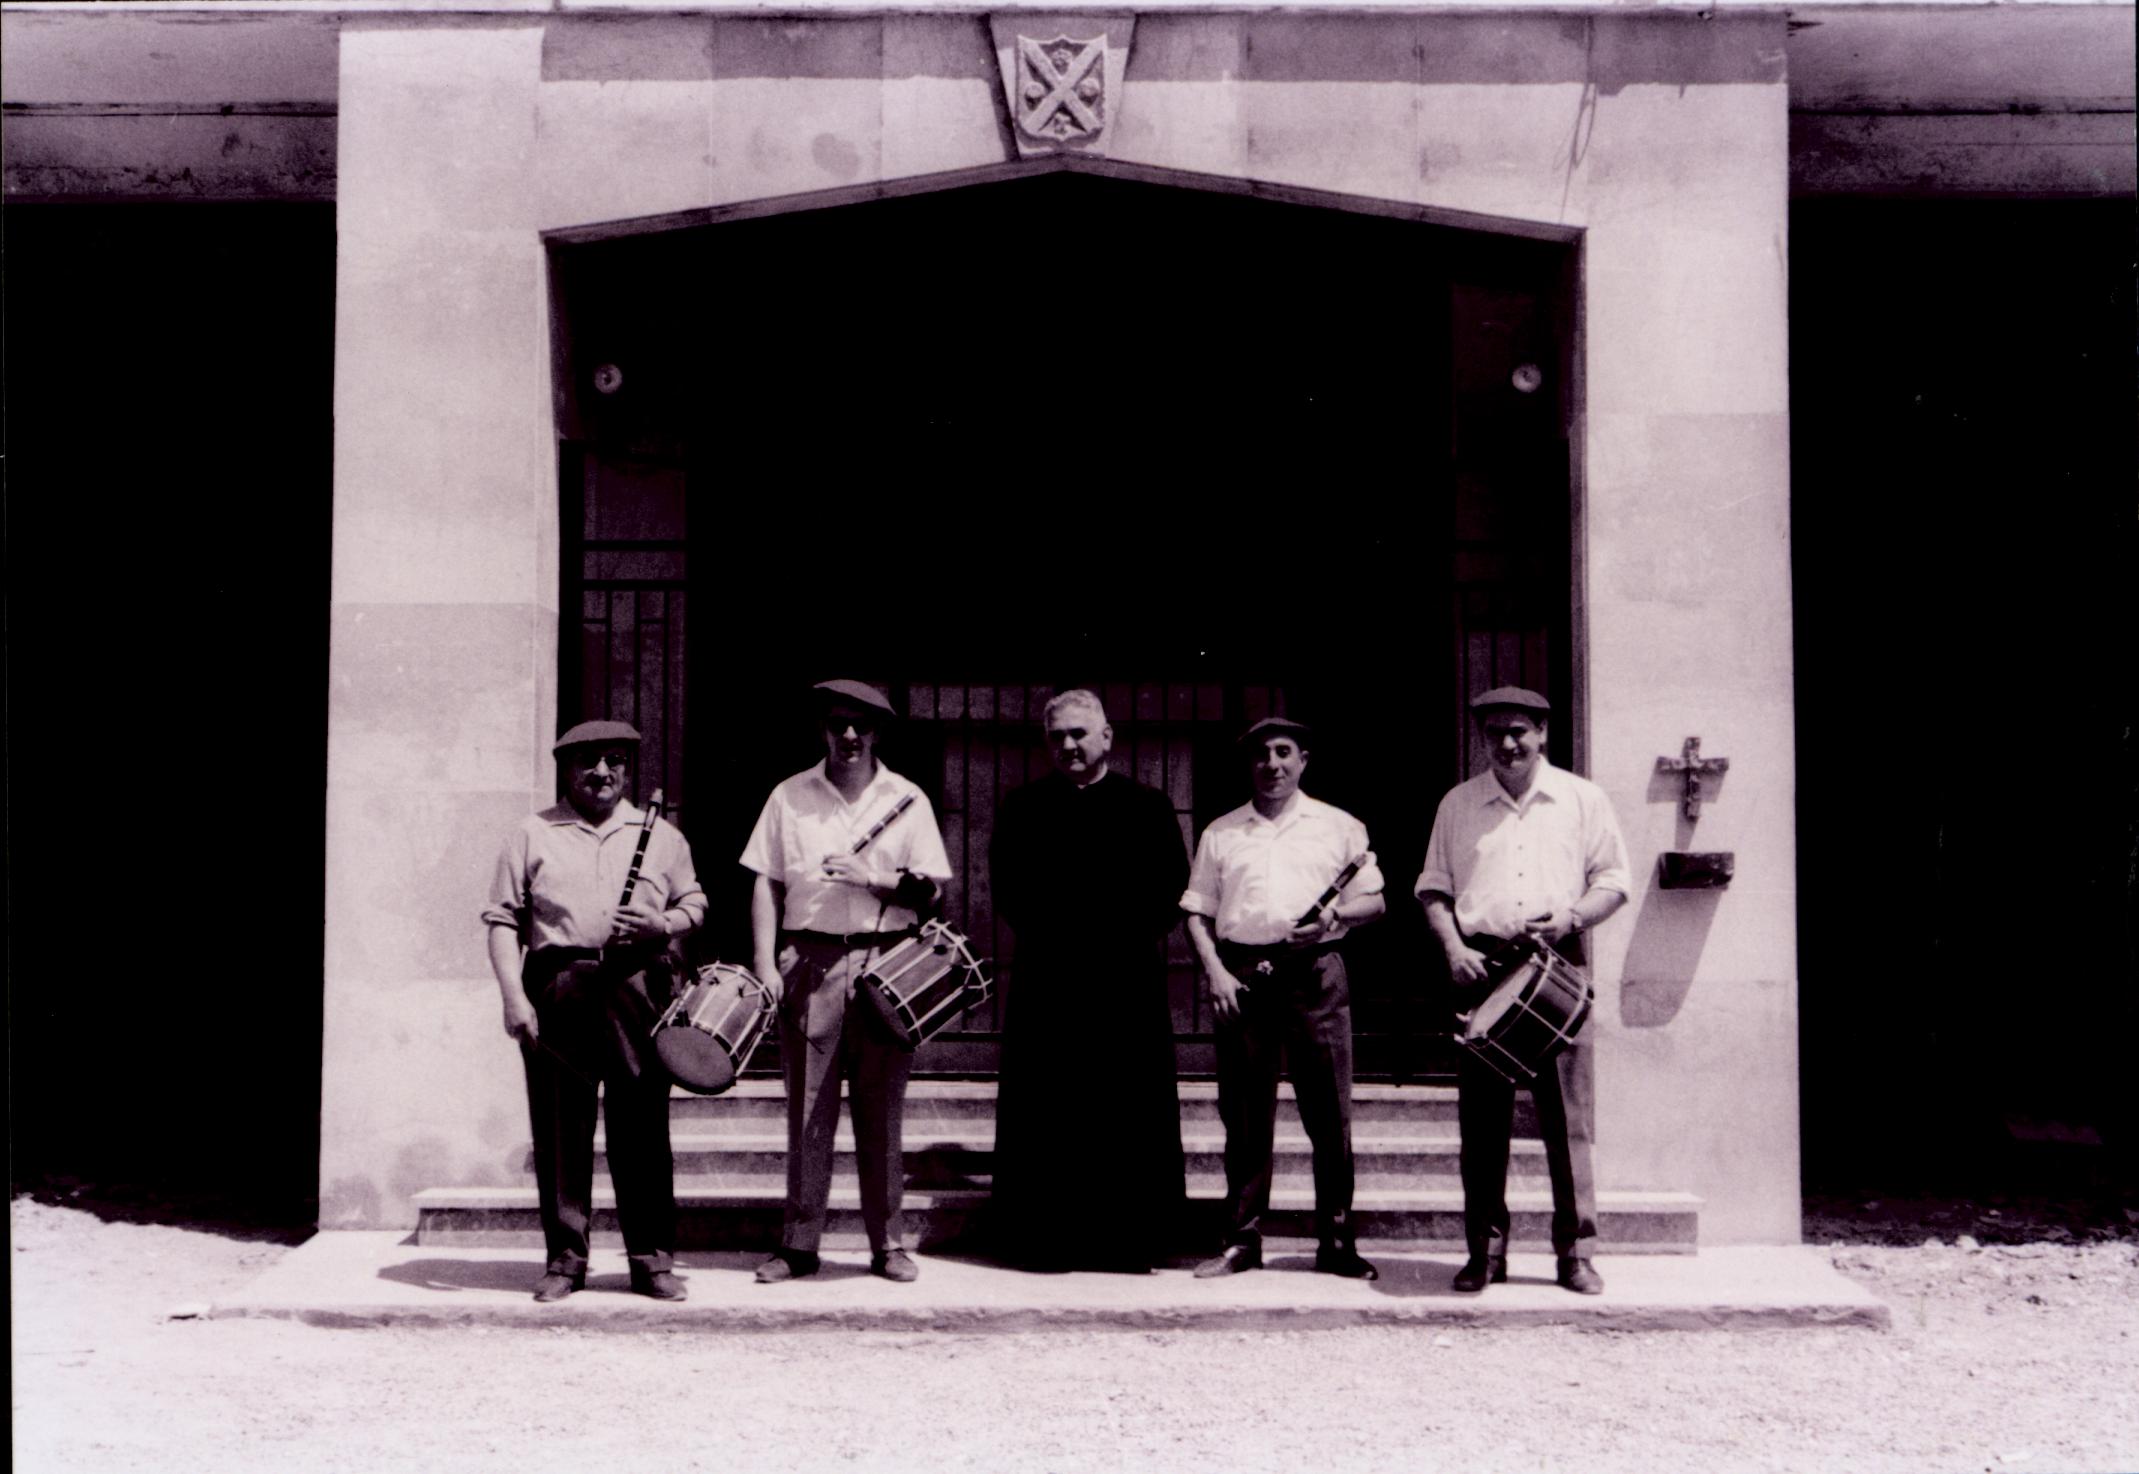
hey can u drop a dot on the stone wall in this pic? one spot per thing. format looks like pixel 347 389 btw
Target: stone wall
pixel 1662 140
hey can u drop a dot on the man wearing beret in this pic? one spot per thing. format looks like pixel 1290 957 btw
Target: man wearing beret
pixel 1523 849
pixel 824 907
pixel 582 979
pixel 1265 929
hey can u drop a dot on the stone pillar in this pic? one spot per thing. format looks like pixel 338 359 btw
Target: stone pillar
pixel 1684 583
pixel 444 645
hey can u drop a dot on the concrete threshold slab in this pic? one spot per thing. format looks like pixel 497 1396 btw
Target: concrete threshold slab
pixel 363 1279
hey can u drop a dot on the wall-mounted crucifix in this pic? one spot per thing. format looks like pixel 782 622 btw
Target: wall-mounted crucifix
pixel 1694 767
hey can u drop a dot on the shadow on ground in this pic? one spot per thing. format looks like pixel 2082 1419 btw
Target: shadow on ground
pixel 2033 1192
pixel 231 1213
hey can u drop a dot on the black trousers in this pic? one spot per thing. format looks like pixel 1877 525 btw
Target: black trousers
pixel 1566 1098
pixel 594 1015
pixel 1297 1009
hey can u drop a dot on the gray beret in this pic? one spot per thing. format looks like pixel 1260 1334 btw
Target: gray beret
pixel 1511 698
pixel 1277 727
pixel 591 734
pixel 861 693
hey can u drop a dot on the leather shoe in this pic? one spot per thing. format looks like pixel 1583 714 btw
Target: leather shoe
pixel 553 1287
pixel 1478 1271
pixel 895 1265
pixel 1577 1275
pixel 786 1264
pixel 657 1284
pixel 1237 1259
pixel 1344 1260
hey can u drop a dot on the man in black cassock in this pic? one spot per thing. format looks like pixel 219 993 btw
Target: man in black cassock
pixel 1088 867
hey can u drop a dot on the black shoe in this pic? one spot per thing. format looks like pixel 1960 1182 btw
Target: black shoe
pixel 1237 1259
pixel 786 1264
pixel 553 1286
pixel 1576 1275
pixel 1478 1271
pixel 895 1265
pixel 1344 1260
pixel 657 1284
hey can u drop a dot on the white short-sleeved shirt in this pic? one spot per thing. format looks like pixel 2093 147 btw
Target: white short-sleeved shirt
pixel 806 818
pixel 1255 877
pixel 1503 862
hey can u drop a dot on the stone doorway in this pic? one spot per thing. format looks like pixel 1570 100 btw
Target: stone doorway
pixel 1215 454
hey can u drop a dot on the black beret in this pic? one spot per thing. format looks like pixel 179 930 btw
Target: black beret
pixel 592 734
pixel 861 693
pixel 1277 727
pixel 1511 698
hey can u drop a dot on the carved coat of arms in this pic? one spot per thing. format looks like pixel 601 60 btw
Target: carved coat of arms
pixel 1061 88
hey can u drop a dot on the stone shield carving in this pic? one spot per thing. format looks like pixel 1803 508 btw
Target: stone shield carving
pixel 1062 88
pixel 1062 79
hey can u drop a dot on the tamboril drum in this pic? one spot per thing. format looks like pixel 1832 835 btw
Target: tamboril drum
pixel 926 981
pixel 1531 1015
pixel 708 1034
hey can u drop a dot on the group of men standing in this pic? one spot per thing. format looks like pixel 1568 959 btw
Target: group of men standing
pixel 1090 870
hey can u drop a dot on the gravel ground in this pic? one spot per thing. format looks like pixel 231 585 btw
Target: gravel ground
pixel 2005 1356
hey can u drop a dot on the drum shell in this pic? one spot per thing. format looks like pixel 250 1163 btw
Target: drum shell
pixel 926 981
pixel 1536 1011
pixel 707 1036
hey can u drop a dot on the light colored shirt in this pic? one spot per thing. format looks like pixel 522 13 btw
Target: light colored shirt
pixel 1255 877
pixel 559 878
pixel 1503 862
pixel 806 819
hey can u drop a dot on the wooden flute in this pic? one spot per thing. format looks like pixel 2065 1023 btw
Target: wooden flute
pixel 1336 887
pixel 638 856
pixel 882 824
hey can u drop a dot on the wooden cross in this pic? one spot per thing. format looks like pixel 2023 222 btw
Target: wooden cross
pixel 1695 768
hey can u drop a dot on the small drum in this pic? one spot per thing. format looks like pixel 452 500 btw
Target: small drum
pixel 709 1033
pixel 925 982
pixel 1531 1015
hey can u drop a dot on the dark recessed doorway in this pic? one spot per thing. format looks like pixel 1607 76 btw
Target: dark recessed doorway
pixel 1213 454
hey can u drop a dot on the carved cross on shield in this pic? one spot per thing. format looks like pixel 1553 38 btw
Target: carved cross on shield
pixel 1062 88
pixel 1064 95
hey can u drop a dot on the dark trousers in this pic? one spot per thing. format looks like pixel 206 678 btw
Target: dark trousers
pixel 1298 1011
pixel 594 1016
pixel 1566 1099
pixel 829 1032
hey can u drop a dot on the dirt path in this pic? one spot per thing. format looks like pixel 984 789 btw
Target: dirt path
pixel 2006 1357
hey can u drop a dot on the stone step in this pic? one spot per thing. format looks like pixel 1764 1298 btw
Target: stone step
pixel 950 1154
pixel 1376 1108
pixel 749 1218
pixel 354 1278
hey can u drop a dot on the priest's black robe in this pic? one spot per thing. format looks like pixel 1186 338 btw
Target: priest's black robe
pixel 1088 1168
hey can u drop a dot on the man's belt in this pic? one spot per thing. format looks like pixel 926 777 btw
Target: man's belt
pixel 1506 952
pixel 849 941
pixel 549 961
pixel 1268 958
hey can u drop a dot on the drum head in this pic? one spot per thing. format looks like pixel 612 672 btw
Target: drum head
pixel 1499 1001
pixel 695 1059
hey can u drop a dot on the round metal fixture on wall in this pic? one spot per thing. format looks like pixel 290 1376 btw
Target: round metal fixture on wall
pixel 1526 378
pixel 608 378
